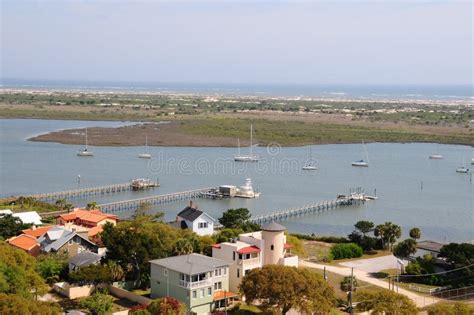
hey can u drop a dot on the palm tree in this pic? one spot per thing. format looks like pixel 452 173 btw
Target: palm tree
pixel 183 247
pixel 91 205
pixel 415 233
pixel 388 233
pixel 61 203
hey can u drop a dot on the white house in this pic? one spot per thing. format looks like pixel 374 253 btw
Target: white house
pixel 30 217
pixel 198 221
pixel 255 250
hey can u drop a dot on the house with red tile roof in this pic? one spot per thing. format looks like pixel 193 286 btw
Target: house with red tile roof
pixel 90 221
pixel 27 243
pixel 37 232
pixel 255 250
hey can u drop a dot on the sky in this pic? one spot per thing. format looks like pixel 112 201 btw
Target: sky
pixel 255 42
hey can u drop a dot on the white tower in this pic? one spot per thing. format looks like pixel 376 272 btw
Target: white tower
pixel 273 235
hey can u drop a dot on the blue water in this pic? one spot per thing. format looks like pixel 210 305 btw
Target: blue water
pixel 443 209
pixel 412 92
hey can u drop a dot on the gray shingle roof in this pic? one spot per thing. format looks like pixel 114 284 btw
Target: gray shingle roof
pixel 57 237
pixel 85 258
pixel 190 213
pixel 190 264
pixel 273 227
pixel 429 245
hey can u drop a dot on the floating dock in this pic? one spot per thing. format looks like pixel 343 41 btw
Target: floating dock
pixel 136 184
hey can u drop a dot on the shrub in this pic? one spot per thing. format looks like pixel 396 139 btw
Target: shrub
pixel 326 239
pixel 349 250
pixel 100 303
pixel 167 305
pixel 346 283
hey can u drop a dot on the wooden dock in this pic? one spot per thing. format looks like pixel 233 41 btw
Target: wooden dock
pixel 128 205
pixel 85 192
pixel 309 209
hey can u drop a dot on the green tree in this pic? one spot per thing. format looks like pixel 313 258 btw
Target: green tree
pixel 166 306
pixel 385 302
pixel 61 203
pixel 132 244
pixel 415 233
pixel 18 273
pixel 346 283
pixel 447 308
pixel 458 255
pixel 53 267
pixel 12 304
pixel 297 247
pixel 91 205
pixel 238 219
pixel 225 235
pixel 364 227
pixel 281 288
pixel 93 274
pixel 100 303
pixel 405 249
pixel 11 226
pixel 388 233
pixel 183 246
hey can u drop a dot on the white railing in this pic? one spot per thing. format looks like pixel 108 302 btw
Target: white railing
pixel 193 285
pixel 251 261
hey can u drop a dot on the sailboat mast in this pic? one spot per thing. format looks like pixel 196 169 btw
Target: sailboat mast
pixel 86 138
pixel 251 136
pixel 146 143
pixel 238 146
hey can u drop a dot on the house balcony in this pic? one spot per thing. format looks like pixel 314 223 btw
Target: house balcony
pixel 250 261
pixel 194 285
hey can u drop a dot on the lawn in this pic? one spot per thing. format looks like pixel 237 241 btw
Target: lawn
pixel 366 255
pixel 317 251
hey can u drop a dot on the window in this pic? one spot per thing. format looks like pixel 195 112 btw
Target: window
pixel 194 294
pixel 202 225
pixel 209 291
pixel 271 247
pixel 234 255
pixel 225 271
pixel 238 273
pixel 218 272
pixel 240 256
pixel 201 295
pixel 217 286
pixel 165 272
pixel 181 276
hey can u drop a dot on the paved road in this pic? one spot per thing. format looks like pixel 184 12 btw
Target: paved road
pixel 362 275
pixel 373 264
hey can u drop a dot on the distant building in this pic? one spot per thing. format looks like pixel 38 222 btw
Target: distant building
pixel 83 259
pixel 81 220
pixel 424 248
pixel 61 240
pixel 196 220
pixel 30 217
pixel 200 282
pixel 255 250
pixel 26 243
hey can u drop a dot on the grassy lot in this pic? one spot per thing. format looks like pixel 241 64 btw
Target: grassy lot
pixel 317 251
pixel 366 255
pixel 405 285
pixel 30 205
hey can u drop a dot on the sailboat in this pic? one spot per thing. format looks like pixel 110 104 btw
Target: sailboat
pixel 362 162
pixel 462 169
pixel 310 166
pixel 85 152
pixel 436 156
pixel 472 161
pixel 246 158
pixel 145 155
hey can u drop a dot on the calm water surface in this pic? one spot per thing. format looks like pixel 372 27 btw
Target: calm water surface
pixel 443 209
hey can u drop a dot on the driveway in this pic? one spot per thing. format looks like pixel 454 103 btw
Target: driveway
pixel 373 264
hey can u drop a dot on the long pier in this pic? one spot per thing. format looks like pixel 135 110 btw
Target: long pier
pixel 153 200
pixel 310 209
pixel 85 192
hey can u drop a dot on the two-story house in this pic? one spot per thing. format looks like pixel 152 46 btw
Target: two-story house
pixel 255 250
pixel 90 221
pixel 61 240
pixel 196 220
pixel 200 282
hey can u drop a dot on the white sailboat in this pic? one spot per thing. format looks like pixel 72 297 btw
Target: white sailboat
pixel 362 163
pixel 310 166
pixel 472 161
pixel 462 169
pixel 85 152
pixel 246 158
pixel 145 155
pixel 436 156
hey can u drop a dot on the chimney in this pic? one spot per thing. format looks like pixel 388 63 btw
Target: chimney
pixel 190 204
pixel 33 227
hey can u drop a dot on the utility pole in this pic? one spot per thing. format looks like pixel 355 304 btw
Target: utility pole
pixel 325 275
pixel 350 293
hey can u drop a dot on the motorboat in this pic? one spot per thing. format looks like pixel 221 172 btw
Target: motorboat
pixel 247 190
pixel 360 163
pixel 462 169
pixel 436 157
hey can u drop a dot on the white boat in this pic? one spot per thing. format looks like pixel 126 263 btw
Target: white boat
pixel 362 162
pixel 246 158
pixel 436 157
pixel 85 152
pixel 145 155
pixel 310 166
pixel 472 161
pixel 462 169
pixel 247 191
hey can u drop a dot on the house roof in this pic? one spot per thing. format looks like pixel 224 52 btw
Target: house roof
pixel 249 250
pixel 30 217
pixel 95 230
pixel 429 245
pixel 5 212
pixel 85 258
pixel 94 216
pixel 273 227
pixel 56 237
pixel 190 264
pixel 37 232
pixel 190 213
pixel 24 242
